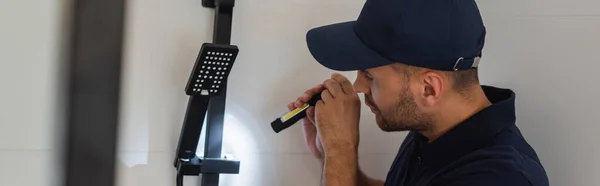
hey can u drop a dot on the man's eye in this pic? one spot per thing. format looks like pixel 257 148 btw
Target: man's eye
pixel 366 75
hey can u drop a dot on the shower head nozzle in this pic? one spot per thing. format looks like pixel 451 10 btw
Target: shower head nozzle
pixel 211 69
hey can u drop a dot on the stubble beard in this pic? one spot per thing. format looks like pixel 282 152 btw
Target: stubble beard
pixel 404 116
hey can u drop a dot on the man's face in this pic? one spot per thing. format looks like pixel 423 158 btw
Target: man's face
pixel 389 95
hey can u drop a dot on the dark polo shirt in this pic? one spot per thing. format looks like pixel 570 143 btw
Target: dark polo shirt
pixel 485 150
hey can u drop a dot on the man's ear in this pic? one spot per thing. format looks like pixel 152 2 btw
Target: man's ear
pixel 432 84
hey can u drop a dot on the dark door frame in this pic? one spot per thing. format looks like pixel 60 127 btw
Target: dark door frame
pixel 93 91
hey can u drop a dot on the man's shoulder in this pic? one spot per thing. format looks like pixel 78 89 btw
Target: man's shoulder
pixel 496 165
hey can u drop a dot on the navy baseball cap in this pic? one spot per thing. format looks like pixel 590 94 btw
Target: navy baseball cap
pixel 436 34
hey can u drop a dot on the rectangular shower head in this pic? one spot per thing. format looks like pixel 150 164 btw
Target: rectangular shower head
pixel 211 69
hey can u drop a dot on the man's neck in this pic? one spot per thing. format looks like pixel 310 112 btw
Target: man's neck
pixel 457 110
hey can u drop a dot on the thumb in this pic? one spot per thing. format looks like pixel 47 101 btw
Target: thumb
pixel 317 111
pixel 310 114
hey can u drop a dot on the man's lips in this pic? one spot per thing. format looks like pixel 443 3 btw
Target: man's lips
pixel 373 109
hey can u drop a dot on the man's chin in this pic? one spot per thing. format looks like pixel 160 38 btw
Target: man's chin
pixel 386 126
pixel 381 123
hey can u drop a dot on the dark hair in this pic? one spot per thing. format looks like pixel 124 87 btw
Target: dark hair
pixel 463 80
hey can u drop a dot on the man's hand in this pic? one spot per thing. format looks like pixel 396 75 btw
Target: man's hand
pixel 310 131
pixel 341 169
pixel 337 116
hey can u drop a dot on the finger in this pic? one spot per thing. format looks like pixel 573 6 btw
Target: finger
pixel 344 83
pixel 311 92
pixel 319 145
pixel 318 109
pixel 310 114
pixel 308 94
pixel 333 87
pixel 326 96
pixel 291 106
pixel 318 106
pixel 318 88
pixel 298 103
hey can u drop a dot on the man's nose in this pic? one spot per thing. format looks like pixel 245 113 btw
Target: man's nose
pixel 359 87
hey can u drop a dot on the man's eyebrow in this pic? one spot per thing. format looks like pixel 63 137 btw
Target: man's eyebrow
pixel 366 72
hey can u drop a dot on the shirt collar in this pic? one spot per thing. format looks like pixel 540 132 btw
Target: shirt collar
pixel 473 132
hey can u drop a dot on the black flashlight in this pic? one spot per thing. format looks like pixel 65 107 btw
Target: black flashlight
pixel 293 116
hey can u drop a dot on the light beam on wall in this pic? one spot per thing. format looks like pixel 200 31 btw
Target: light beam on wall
pixel 239 142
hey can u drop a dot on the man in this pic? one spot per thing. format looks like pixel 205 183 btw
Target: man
pixel 417 68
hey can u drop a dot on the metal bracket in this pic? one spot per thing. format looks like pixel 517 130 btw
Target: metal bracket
pixel 199 165
pixel 209 3
pixel 215 3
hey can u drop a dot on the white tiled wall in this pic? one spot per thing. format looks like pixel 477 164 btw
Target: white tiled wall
pixel 164 38
pixel 545 50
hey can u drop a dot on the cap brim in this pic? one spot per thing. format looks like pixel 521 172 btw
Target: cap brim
pixel 337 47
